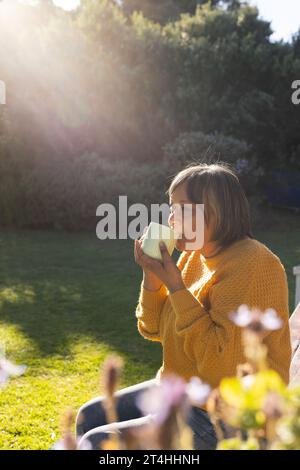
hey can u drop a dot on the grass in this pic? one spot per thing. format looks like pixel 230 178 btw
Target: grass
pixel 66 302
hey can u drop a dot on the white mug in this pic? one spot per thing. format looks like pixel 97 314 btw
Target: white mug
pixel 156 233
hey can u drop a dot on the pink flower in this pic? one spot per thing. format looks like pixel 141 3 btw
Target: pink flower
pixel 160 400
pixel 172 393
pixel 63 444
pixel 197 391
pixel 255 320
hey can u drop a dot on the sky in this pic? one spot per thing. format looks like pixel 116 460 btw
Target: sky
pixel 284 14
pixel 67 4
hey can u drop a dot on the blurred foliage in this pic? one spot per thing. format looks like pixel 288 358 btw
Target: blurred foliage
pixel 195 147
pixel 127 87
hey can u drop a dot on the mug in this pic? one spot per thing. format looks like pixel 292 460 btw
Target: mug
pixel 156 233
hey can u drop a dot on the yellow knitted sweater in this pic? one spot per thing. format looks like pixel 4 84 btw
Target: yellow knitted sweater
pixel 192 324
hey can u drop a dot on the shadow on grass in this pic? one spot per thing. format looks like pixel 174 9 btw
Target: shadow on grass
pixel 59 288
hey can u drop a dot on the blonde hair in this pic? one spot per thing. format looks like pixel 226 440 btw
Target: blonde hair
pixel 225 203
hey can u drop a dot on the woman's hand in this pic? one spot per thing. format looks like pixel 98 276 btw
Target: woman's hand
pixel 150 281
pixel 165 270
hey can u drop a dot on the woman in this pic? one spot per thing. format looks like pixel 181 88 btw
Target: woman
pixel 186 305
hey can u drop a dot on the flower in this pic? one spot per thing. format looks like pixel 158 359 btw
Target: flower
pixel 255 320
pixel 236 443
pixel 162 398
pixel 111 373
pixel 69 441
pixel 112 369
pixel 247 381
pixel 197 391
pixel 8 369
pixel 72 444
pixel 243 370
pixel 273 406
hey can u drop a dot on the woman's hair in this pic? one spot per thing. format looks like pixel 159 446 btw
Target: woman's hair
pixel 225 203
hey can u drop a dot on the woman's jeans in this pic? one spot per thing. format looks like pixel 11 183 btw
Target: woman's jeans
pixel 91 421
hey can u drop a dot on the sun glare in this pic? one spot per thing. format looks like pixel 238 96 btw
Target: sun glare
pixel 67 4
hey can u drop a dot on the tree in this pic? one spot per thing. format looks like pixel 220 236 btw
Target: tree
pixel 163 11
pixel 92 87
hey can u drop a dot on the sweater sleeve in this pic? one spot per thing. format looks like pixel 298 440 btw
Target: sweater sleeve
pixel 210 337
pixel 148 312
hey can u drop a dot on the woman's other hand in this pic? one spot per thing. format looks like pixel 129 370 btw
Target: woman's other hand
pixel 158 272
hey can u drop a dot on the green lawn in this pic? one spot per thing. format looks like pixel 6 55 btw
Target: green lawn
pixel 67 301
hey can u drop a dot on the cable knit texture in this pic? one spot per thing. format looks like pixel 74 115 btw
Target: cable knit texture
pixel 193 325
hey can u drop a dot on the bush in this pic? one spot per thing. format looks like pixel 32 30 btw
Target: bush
pixel 64 194
pixel 198 147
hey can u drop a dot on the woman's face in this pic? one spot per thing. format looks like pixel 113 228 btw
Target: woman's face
pixel 183 218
